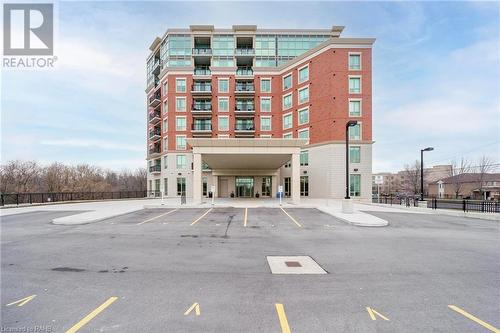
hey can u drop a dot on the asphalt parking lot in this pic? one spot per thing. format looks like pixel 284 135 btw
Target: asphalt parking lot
pixel 205 270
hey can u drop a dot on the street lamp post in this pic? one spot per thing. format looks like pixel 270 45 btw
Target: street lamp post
pixel 350 123
pixel 422 171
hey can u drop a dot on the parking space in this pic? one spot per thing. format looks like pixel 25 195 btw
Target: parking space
pixel 205 270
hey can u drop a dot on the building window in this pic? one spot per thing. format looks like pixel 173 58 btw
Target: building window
pixel 151 185
pixel 354 107
pixel 304 134
pixel 354 61
pixel 180 104
pixel 223 104
pixel 180 123
pixel 355 154
pixel 355 185
pixel 287 121
pixel 205 186
pixel 304 158
pixel 223 123
pixel 304 95
pixel 165 144
pixel 304 74
pixel 157 186
pixel 304 186
pixel 265 104
pixel 288 135
pixel 265 85
pixel 165 186
pixel 165 162
pixel 288 186
pixel 180 85
pixel 355 132
pixel 180 142
pixel 287 82
pixel 181 186
pixel 355 85
pixel 303 116
pixel 165 125
pixel 223 85
pixel 165 87
pixel 287 101
pixel 165 107
pixel 265 123
pixel 181 162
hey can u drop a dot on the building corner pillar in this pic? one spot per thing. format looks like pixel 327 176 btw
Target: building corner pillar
pixel 296 178
pixel 197 178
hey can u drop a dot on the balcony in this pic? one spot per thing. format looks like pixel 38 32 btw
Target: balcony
pixel 155 151
pixel 244 71
pixel 244 127
pixel 155 100
pixel 154 117
pixel 156 67
pixel 245 107
pixel 201 108
pixel 155 168
pixel 202 51
pixel 244 52
pixel 202 71
pixel 155 134
pixel 244 88
pixel 201 89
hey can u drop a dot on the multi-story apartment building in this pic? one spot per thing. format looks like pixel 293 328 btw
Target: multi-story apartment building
pixel 245 110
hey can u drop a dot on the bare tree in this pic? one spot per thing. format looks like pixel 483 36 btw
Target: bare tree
pixel 20 176
pixel 411 175
pixel 456 174
pixel 484 166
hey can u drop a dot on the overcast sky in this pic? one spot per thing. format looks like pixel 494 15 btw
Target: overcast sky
pixel 436 79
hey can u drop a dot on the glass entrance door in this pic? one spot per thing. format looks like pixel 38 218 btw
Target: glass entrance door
pixel 244 187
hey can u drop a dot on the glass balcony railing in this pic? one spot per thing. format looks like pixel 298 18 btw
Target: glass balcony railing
pixel 155 99
pixel 245 127
pixel 201 71
pixel 244 51
pixel 201 88
pixel 155 168
pixel 154 150
pixel 202 51
pixel 154 116
pixel 244 71
pixel 155 133
pixel 204 126
pixel 244 87
pixel 245 107
pixel 202 107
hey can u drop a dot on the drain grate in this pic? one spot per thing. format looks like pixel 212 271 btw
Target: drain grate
pixel 294 265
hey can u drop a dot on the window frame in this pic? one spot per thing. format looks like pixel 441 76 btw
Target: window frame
pixel 176 142
pixel 289 114
pixel 218 123
pixel 349 61
pixel 270 85
pixel 298 73
pixel 352 193
pixel 164 125
pixel 360 132
pixel 298 115
pixel 359 154
pixel 291 81
pixel 218 85
pixel 360 84
pixel 177 86
pixel 270 103
pixel 177 162
pixel 298 95
pixel 285 135
pixel 270 123
pixel 360 100
pixel 308 135
pixel 283 101
pixel 177 128
pixel 219 98
pixel 178 98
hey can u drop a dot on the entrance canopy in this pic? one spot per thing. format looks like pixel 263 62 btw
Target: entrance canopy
pixel 246 154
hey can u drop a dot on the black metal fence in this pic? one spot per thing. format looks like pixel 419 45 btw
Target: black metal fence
pixel 465 205
pixel 403 201
pixel 34 198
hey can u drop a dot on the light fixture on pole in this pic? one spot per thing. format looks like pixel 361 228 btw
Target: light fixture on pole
pixel 422 171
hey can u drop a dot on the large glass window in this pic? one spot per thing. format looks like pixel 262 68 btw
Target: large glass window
pixel 265 104
pixel 355 132
pixel 354 108
pixel 223 104
pixel 304 134
pixel 181 162
pixel 354 61
pixel 287 121
pixel 180 142
pixel 287 82
pixel 294 45
pixel 354 154
pixel 223 123
pixel 181 186
pixel 287 101
pixel 180 85
pixel 303 116
pixel 180 123
pixel 223 61
pixel 265 123
pixel 223 45
pixel 180 104
pixel 304 95
pixel 304 158
pixel 304 74
pixel 354 85
pixel 304 186
pixel 223 85
pixel 355 185
pixel 265 85
pixel 265 45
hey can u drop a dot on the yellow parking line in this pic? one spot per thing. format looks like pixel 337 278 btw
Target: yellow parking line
pixel 294 220
pixel 282 317
pixel 246 215
pixel 199 218
pixel 91 315
pixel 157 217
pixel 475 319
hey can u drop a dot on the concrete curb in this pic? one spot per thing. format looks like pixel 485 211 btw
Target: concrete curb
pixel 357 218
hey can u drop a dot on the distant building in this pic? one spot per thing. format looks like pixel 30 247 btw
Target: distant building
pixel 467 186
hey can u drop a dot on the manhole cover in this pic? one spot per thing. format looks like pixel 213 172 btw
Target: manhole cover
pixel 294 265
